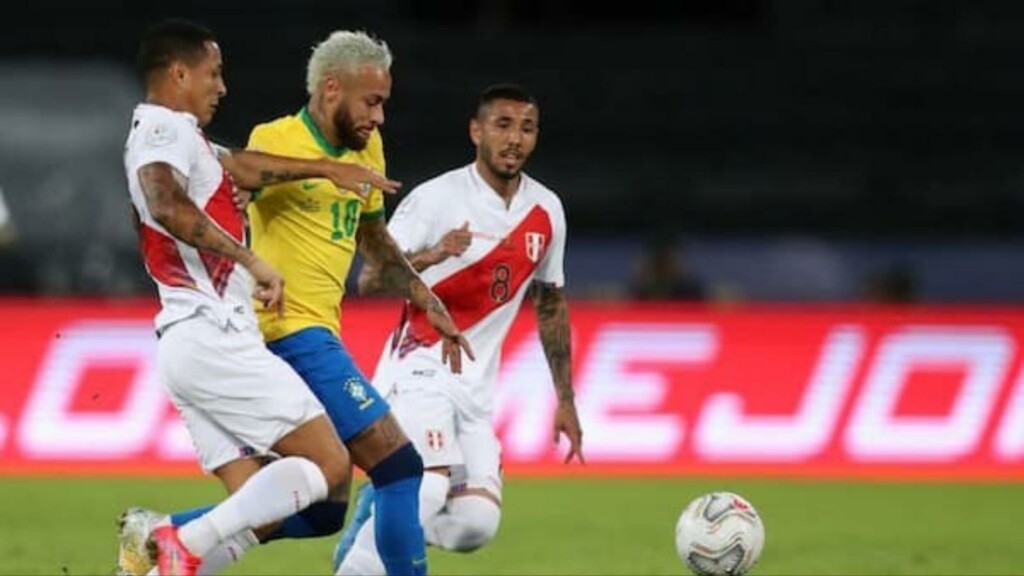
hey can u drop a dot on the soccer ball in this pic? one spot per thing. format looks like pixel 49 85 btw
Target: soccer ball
pixel 719 533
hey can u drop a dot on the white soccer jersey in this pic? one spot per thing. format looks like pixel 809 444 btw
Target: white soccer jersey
pixel 484 287
pixel 188 279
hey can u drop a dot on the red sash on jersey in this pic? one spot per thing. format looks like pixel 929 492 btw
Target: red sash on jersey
pixel 161 253
pixel 478 289
pixel 163 260
pixel 221 209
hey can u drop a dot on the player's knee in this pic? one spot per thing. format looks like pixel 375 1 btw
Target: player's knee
pixel 336 474
pixel 403 463
pixel 336 469
pixel 478 522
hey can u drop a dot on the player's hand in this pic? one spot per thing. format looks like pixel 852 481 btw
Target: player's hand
pixel 568 423
pixel 241 197
pixel 454 243
pixel 453 342
pixel 358 179
pixel 269 285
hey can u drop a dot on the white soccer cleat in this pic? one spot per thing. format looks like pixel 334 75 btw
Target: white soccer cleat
pixel 134 527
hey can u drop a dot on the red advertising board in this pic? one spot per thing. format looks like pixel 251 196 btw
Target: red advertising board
pixel 839 391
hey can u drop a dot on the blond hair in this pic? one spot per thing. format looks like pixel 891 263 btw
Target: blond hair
pixel 345 50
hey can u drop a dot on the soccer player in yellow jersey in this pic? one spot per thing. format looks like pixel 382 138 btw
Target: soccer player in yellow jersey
pixel 309 231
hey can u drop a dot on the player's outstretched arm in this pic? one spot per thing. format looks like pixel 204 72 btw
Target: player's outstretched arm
pixel 390 273
pixel 252 170
pixel 552 310
pixel 171 207
pixel 453 243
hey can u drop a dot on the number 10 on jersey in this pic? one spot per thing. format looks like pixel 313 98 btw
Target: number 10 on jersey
pixel 344 225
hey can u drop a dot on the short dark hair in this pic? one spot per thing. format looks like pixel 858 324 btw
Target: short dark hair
pixel 504 91
pixel 171 40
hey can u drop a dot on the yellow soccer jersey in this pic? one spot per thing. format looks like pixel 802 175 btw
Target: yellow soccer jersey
pixel 306 229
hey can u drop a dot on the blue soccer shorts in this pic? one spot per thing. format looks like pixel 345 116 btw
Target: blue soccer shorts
pixel 318 356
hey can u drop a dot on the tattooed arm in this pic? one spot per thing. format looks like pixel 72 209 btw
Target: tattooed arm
pixel 552 311
pixel 386 270
pixel 171 207
pixel 453 243
pixel 392 274
pixel 252 170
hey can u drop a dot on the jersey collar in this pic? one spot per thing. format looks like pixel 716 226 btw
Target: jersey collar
pixel 331 150
pixel 485 189
pixel 188 116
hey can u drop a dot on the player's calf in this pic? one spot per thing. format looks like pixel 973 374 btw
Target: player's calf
pixel 317 441
pixel 396 481
pixel 320 519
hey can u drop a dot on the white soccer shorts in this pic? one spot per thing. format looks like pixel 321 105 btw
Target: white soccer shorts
pixel 447 430
pixel 236 397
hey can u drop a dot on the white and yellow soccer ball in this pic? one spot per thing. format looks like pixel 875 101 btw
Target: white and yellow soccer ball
pixel 719 533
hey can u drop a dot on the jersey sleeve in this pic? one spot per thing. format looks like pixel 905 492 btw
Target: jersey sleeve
pixel 551 269
pixel 263 139
pixel 164 138
pixel 373 206
pixel 410 224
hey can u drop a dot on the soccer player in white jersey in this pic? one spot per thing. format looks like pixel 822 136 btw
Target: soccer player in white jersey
pixel 239 401
pixel 482 236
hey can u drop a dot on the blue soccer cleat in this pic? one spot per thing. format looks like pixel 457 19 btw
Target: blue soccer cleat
pixel 360 514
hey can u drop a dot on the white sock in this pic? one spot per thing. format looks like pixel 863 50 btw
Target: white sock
pixel 466 524
pixel 277 491
pixel 433 494
pixel 363 559
pixel 227 553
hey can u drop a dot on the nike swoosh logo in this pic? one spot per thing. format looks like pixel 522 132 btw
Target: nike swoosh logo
pixel 307 186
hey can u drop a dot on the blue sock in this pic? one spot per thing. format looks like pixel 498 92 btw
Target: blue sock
pixel 179 518
pixel 396 482
pixel 320 519
pixel 360 514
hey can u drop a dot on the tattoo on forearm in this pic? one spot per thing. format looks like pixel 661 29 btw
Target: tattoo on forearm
pixel 420 260
pixel 422 297
pixel 395 278
pixel 207 237
pixel 390 272
pixel 274 177
pixel 171 207
pixel 199 228
pixel 555 337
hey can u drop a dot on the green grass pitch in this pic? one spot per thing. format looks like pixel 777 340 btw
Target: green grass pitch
pixel 580 526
